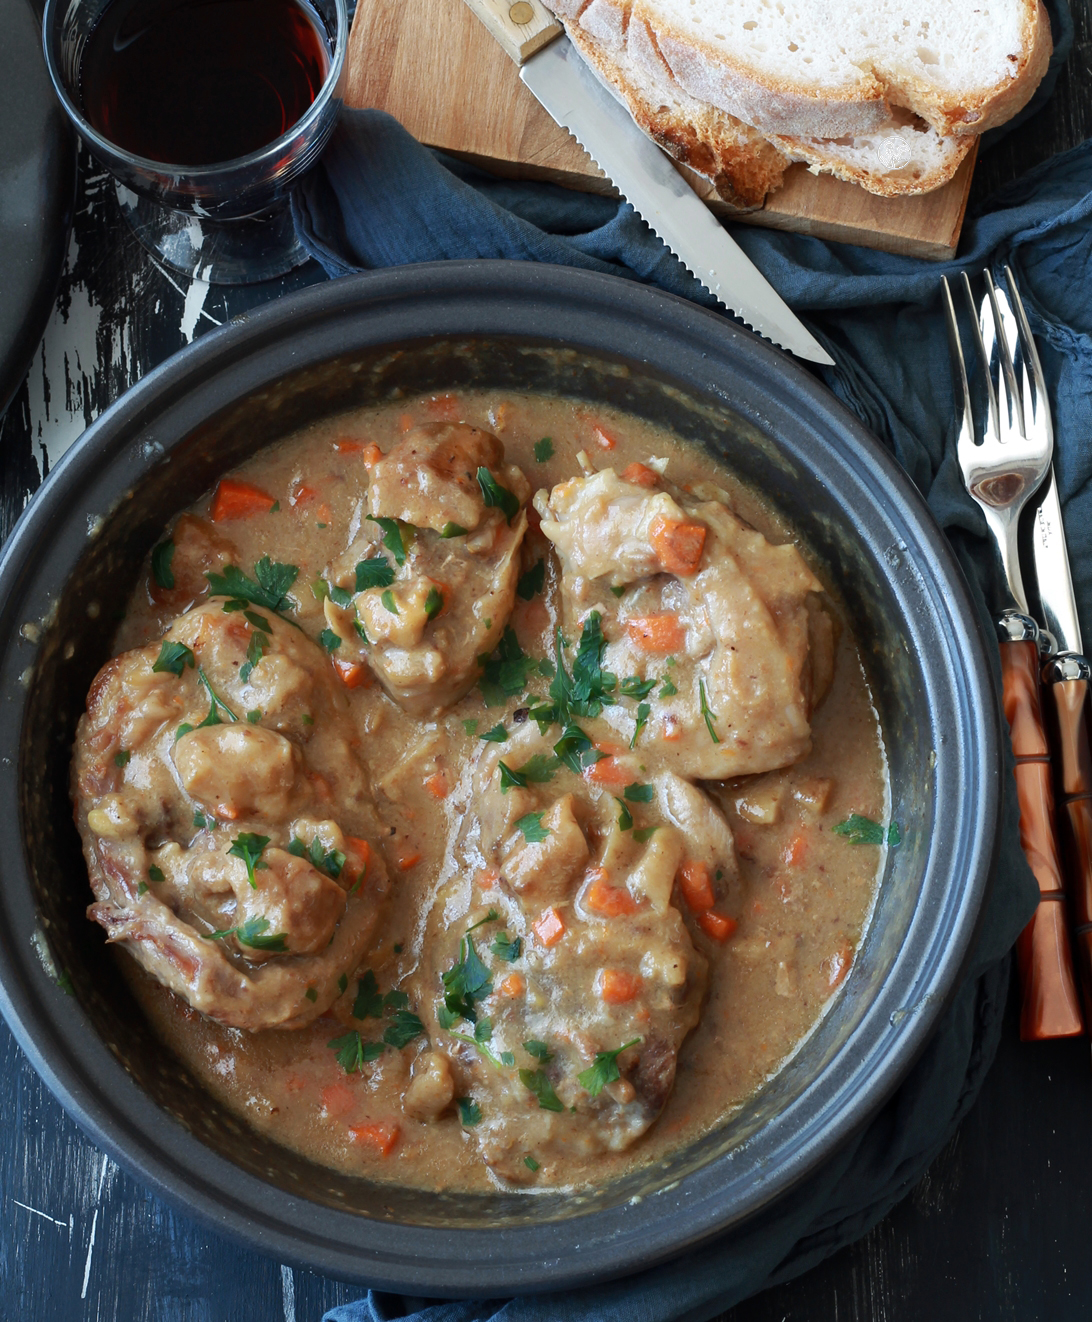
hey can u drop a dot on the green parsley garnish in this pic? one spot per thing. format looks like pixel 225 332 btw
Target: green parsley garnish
pixel 617 589
pixel 252 933
pixel 537 1082
pixel 173 658
pixel 644 711
pixel 470 1113
pixel 259 641
pixel 453 530
pixel 155 874
pixel 496 496
pixel 375 572
pixel 860 830
pixel 538 1049
pixel 142 888
pixel 311 994
pixel 162 572
pixel 645 834
pixel 389 602
pixel 353 1051
pixel 121 759
pixel 497 735
pixel 434 603
pixel 204 823
pixel 254 716
pixel 625 817
pixel 471 727
pixel 403 1028
pixel 368 1003
pixel 544 449
pixel 329 861
pixel 537 770
pixel 248 847
pixel 530 1163
pixel 329 640
pixel 635 687
pixel 533 830
pixel 392 540
pixel 466 983
pixel 270 590
pixel 710 716
pixel 506 947
pixel 531 583
pixel 604 1070
pixel 339 596
pixel 667 689
pixel 639 793
pixel 505 674
pixel 575 749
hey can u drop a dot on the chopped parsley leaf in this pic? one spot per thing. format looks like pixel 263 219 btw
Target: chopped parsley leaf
pixel 860 830
pixel 466 982
pixel 403 1028
pixel 217 705
pixel 368 1003
pixel 532 582
pixel 587 691
pixel 894 835
pixel 434 603
pixel 710 716
pixel 645 834
pixel 453 530
pixel 204 823
pixel 471 727
pixel 667 689
pixel 639 793
pixel 544 449
pixel 470 1113
pixel 142 888
pixel 538 1049
pixel 270 590
pixel 575 749
pixel 635 687
pixel 506 672
pixel 121 759
pixel 617 589
pixel 353 1051
pixel 497 735
pixel 259 641
pixel 491 917
pixel 173 658
pixel 254 716
pixel 339 596
pixel 644 711
pixel 496 496
pixel 506 947
pixel 389 602
pixel 329 861
pixel 392 539
pixel 329 640
pixel 395 1000
pixel 537 1082
pixel 533 830
pixel 537 770
pixel 604 1070
pixel 530 1163
pixel 248 847
pixel 311 994
pixel 375 572
pixel 253 933
pixel 625 817
pixel 155 874
pixel 162 572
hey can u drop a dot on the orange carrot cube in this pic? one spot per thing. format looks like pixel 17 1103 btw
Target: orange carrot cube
pixel 617 987
pixel 696 884
pixel 512 985
pixel 239 500
pixel 352 673
pixel 717 925
pixel 640 475
pixel 437 785
pixel 660 634
pixel 549 927
pixel 609 901
pixel 338 1099
pixel 678 545
pixel 382 1137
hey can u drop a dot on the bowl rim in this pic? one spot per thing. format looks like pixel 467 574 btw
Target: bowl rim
pixel 495 299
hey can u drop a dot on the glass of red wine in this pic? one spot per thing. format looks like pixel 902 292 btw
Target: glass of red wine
pixel 206 112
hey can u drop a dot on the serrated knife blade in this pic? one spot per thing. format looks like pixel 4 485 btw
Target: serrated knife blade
pixel 570 92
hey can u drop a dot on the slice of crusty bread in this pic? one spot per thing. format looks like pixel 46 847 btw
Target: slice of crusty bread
pixel 834 68
pixel 902 155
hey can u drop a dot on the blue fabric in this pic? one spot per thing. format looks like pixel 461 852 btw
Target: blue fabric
pixel 379 199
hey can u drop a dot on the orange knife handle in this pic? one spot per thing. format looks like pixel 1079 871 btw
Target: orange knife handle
pixel 1050 1006
pixel 1068 680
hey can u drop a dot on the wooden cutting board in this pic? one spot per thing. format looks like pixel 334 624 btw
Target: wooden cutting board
pixel 434 67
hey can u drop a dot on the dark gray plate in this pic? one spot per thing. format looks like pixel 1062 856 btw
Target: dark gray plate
pixel 37 188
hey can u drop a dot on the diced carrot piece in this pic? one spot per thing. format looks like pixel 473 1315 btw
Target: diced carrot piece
pixel 380 1136
pixel 359 853
pixel 487 879
pixel 304 495
pixel 603 437
pixel 512 985
pixel 717 925
pixel 239 500
pixel 409 860
pixel 661 633
pixel 617 987
pixel 446 407
pixel 607 900
pixel 640 475
pixel 608 771
pixel 371 454
pixel 696 884
pixel 338 1099
pixel 796 850
pixel 351 673
pixel 837 965
pixel 678 545
pixel 608 749
pixel 549 927
pixel 345 445
pixel 672 727
pixel 437 785
pixel 405 421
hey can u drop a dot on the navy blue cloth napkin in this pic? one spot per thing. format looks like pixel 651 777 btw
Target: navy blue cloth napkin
pixel 379 199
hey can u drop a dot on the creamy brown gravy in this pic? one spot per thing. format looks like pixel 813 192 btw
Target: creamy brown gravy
pixel 798 921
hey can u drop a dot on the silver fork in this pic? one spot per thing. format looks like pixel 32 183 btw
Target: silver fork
pixel 1005 470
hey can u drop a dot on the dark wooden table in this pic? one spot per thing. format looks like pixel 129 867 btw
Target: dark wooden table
pixel 1000 1226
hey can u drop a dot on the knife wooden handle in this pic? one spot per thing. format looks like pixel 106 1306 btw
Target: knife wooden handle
pixel 1068 704
pixel 1050 1006
pixel 521 26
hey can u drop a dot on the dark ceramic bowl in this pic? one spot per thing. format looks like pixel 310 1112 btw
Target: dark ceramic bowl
pixel 74 557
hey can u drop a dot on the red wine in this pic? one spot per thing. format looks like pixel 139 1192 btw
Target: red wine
pixel 196 82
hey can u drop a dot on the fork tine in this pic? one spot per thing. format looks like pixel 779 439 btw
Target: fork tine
pixel 992 425
pixel 963 394
pixel 1013 415
pixel 1038 409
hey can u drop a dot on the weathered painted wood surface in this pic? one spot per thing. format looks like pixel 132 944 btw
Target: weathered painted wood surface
pixel 997 1231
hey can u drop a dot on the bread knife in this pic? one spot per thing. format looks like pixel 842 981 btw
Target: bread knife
pixel 565 85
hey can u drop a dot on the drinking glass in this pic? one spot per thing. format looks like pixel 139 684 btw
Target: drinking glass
pixel 227 223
